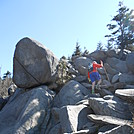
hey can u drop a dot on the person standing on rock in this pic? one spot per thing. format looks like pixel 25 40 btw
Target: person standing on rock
pixel 93 74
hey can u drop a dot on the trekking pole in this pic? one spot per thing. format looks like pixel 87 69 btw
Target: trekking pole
pixel 106 74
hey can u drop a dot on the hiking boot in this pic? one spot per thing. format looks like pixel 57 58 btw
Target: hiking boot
pixel 92 91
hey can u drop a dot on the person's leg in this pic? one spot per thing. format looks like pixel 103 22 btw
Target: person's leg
pixel 98 78
pixel 93 81
pixel 93 85
pixel 98 84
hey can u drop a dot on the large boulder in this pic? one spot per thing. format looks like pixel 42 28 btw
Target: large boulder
pixel 70 94
pixel 117 64
pixel 101 119
pixel 119 130
pixel 130 61
pixel 73 117
pixel 110 70
pixel 126 78
pixel 119 85
pixel 98 55
pixel 116 78
pixel 125 94
pixel 27 112
pixel 81 64
pixel 112 53
pixel 110 106
pixel 33 64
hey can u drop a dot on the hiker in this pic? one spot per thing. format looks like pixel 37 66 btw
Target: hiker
pixel 93 74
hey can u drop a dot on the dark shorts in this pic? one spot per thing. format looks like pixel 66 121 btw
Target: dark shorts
pixel 94 76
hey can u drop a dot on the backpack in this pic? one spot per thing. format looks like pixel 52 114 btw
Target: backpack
pixel 90 67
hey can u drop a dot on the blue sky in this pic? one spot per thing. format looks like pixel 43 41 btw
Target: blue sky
pixel 57 24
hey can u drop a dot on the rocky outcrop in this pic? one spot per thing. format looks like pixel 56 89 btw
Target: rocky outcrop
pixel 121 126
pixel 27 112
pixel 130 61
pixel 72 118
pixel 109 120
pixel 33 64
pixel 35 108
pixel 126 78
pixel 98 55
pixel 81 64
pixel 70 94
pixel 107 106
pixel 125 94
pixel 117 64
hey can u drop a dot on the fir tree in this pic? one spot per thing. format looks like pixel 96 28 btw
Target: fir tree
pixel 123 28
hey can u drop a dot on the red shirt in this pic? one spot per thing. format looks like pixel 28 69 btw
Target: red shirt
pixel 95 66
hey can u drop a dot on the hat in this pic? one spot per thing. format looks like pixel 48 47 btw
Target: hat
pixel 94 62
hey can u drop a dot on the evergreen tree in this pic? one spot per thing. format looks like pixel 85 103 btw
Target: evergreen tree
pixel 109 45
pixel 77 50
pixel 99 46
pixel 123 28
pixel 62 71
pixel 7 75
pixel 86 52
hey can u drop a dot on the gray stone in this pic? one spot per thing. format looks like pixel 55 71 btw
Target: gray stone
pixel 125 94
pixel 54 122
pixel 120 130
pixel 103 92
pixel 110 106
pixel 71 93
pixel 81 64
pixel 27 112
pixel 111 53
pixel 119 85
pixel 33 64
pixel 110 70
pixel 2 102
pixel 80 78
pixel 106 128
pixel 117 64
pixel 87 85
pixel 81 132
pixel 107 83
pixel 98 55
pixel 72 71
pixel 116 78
pixel 109 120
pixel 73 118
pixel 129 86
pixel 130 61
pixel 56 129
pixel 101 71
pixel 126 78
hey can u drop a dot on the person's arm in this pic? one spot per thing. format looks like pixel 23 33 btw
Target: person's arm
pixel 101 63
pixel 88 75
pixel 97 65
